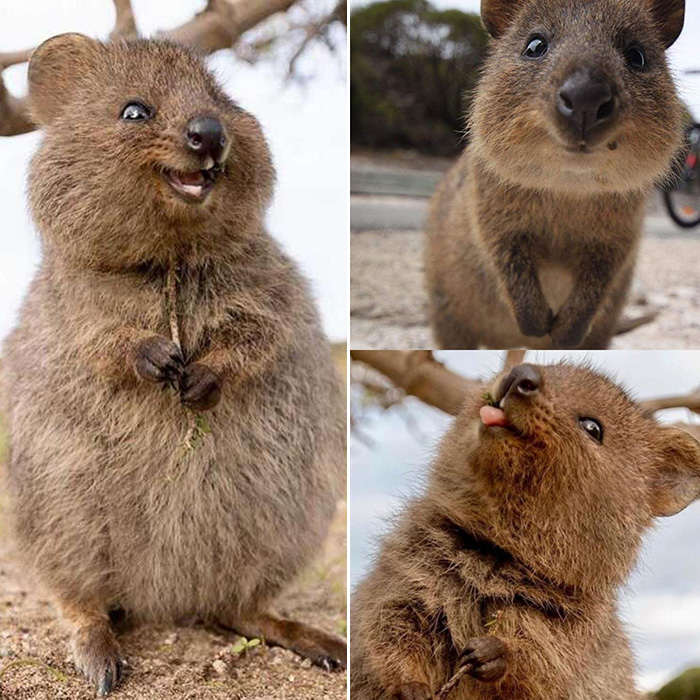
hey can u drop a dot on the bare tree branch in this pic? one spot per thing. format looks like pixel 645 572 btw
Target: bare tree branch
pixel 513 358
pixel 12 58
pixel 629 323
pixel 317 30
pixel 419 374
pixel 218 26
pixel 125 24
pixel 222 22
pixel 690 401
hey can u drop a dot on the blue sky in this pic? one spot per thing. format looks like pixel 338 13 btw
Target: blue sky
pixel 307 126
pixel 661 608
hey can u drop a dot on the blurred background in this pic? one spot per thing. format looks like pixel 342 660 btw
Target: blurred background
pixel 414 65
pixel 289 71
pixel 395 437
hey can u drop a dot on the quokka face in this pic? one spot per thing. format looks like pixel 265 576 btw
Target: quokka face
pixel 140 139
pixel 578 96
pixel 569 442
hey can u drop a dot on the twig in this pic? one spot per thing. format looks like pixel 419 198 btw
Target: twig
pixel 451 684
pixel 199 428
pixel 629 323
pixel 171 289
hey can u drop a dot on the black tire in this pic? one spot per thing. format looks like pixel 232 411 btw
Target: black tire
pixel 678 220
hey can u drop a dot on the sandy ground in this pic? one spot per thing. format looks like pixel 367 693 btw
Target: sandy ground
pixel 389 305
pixel 164 662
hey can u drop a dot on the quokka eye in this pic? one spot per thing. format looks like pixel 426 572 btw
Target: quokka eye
pixel 136 112
pixel 636 58
pixel 536 48
pixel 593 428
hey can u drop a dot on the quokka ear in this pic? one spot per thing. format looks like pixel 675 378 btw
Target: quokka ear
pixel 56 68
pixel 497 15
pixel 676 482
pixel 669 16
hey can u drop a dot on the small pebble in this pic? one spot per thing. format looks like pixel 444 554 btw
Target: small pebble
pixel 220 667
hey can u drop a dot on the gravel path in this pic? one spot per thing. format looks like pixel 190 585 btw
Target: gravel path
pixel 182 663
pixel 388 303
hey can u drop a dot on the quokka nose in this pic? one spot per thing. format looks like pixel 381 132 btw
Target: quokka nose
pixel 585 102
pixel 524 380
pixel 206 136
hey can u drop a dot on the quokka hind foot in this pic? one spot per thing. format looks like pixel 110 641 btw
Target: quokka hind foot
pixel 322 648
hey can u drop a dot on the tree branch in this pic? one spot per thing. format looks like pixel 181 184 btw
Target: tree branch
pixel 419 374
pixel 690 401
pixel 124 24
pixel 217 27
pixel 222 22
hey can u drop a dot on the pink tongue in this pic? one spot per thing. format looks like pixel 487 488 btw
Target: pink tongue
pixel 195 178
pixel 492 417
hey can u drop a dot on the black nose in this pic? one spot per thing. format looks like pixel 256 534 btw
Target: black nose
pixel 585 102
pixel 206 137
pixel 524 380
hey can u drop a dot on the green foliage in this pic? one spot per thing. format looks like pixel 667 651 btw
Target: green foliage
pixel 685 687
pixel 412 69
pixel 243 645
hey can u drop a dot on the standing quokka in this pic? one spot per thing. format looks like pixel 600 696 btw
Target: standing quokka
pixel 149 191
pixel 533 234
pixel 511 561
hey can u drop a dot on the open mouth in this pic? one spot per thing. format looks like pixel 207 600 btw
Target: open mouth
pixel 192 186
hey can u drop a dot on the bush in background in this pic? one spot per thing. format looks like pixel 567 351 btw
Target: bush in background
pixel 412 69
pixel 685 687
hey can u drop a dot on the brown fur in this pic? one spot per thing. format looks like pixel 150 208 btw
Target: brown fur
pixel 111 510
pixel 531 245
pixel 523 537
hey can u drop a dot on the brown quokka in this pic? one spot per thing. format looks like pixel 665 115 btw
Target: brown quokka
pixel 510 562
pixel 167 479
pixel 533 234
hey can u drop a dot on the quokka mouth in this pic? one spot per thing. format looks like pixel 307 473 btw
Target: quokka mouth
pixel 192 186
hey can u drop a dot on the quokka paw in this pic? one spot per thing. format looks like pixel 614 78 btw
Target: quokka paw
pixel 533 320
pixel 158 359
pixel 569 333
pixel 96 656
pixel 487 658
pixel 200 387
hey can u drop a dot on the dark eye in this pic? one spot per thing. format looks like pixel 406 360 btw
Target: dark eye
pixel 593 428
pixel 537 47
pixel 136 112
pixel 636 58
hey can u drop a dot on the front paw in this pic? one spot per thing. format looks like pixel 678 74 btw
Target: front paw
pixel 96 655
pixel 570 329
pixel 157 359
pixel 534 320
pixel 200 387
pixel 487 658
pixel 413 691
